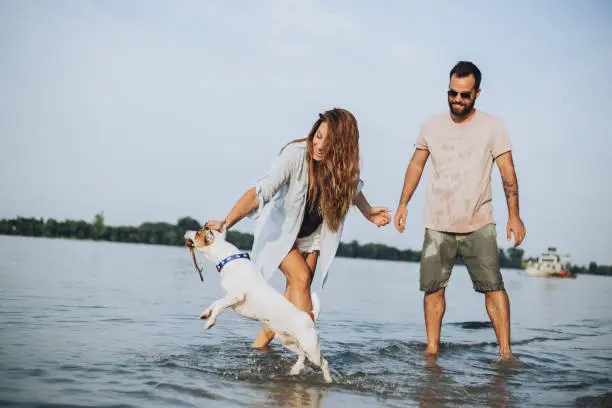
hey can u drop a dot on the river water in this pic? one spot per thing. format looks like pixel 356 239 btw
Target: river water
pixel 107 325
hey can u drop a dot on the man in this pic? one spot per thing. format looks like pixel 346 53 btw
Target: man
pixel 458 216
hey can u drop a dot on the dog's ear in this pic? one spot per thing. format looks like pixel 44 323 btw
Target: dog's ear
pixel 209 238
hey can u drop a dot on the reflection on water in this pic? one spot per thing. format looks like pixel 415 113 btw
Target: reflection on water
pixel 294 395
pixel 438 387
pixel 434 387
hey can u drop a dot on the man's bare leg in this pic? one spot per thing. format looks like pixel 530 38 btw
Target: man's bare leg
pixel 498 308
pixel 434 305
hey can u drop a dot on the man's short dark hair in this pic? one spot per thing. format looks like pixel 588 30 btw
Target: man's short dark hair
pixel 466 68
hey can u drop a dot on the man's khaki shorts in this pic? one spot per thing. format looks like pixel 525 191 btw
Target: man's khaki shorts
pixel 477 249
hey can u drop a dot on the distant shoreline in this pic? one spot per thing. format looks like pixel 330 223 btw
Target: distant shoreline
pixel 162 233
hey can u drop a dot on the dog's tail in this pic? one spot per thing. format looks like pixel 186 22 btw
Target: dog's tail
pixel 316 305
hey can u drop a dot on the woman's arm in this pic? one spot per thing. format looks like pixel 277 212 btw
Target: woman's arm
pixel 362 203
pixel 278 174
pixel 245 205
pixel 377 215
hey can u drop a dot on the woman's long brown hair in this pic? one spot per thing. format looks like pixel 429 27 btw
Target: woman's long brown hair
pixel 334 179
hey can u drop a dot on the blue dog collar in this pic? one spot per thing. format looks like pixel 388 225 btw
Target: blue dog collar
pixel 231 258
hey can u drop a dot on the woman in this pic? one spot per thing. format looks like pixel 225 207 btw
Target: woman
pixel 301 204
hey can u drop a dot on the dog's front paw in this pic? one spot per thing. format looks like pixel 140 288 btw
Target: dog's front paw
pixel 205 314
pixel 210 324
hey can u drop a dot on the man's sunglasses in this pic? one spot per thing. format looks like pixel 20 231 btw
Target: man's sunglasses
pixel 464 95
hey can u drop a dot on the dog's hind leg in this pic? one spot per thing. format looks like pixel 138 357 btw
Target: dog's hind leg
pixel 218 306
pixel 325 368
pixel 289 343
pixel 312 349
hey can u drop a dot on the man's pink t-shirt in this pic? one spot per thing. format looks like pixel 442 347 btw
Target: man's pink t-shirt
pixel 459 189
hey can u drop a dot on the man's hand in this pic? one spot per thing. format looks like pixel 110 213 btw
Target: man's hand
pixel 411 181
pixel 400 218
pixel 379 216
pixel 515 226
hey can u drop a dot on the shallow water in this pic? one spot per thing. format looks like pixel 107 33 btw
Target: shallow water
pixel 104 324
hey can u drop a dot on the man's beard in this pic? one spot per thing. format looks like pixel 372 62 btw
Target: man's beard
pixel 469 107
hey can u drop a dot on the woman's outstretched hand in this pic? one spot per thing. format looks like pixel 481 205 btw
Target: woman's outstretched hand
pixel 379 216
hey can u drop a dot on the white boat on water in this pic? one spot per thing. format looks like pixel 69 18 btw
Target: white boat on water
pixel 548 265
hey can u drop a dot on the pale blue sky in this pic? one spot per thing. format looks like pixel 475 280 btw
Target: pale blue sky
pixel 150 111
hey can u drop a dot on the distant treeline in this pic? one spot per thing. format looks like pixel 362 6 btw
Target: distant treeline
pixel 162 233
pixel 592 269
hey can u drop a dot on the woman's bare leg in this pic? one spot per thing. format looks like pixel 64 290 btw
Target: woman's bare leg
pixel 299 271
pixel 311 259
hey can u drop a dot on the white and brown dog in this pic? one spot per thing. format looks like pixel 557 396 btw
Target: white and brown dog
pixel 252 297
